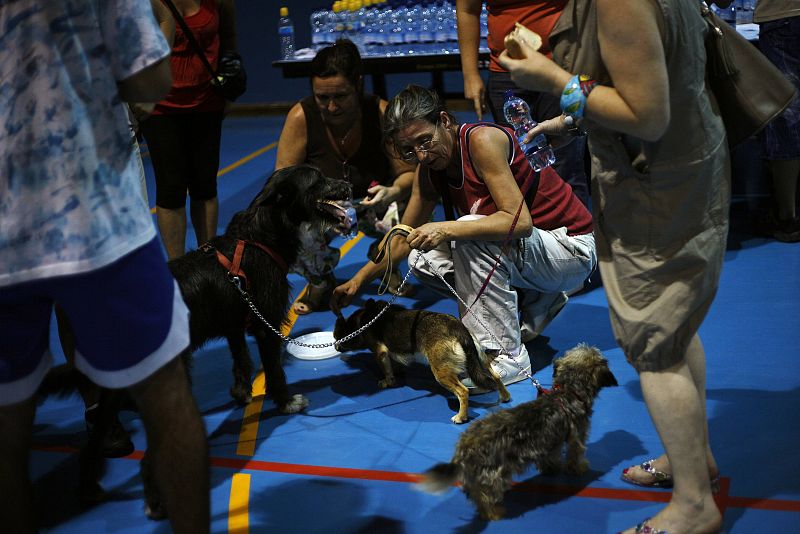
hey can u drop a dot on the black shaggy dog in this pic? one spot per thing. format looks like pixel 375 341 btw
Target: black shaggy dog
pixel 253 254
pixel 267 237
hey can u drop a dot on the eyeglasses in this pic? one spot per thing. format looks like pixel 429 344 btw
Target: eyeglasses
pixel 410 155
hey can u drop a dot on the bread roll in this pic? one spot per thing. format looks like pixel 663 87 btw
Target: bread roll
pixel 521 34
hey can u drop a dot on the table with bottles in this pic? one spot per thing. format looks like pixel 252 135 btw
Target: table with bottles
pixel 393 36
pixel 406 36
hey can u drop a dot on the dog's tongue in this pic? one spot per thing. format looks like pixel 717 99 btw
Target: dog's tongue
pixel 340 210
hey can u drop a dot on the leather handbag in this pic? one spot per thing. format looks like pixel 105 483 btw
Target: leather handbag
pixel 230 78
pixel 749 89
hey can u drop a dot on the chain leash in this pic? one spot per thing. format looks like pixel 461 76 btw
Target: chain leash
pixel 236 281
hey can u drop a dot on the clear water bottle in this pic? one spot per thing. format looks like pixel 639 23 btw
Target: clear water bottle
pixel 352 223
pixel 317 22
pixel 518 114
pixel 286 34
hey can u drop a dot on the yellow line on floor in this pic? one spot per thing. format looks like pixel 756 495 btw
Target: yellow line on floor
pixel 245 159
pixel 239 505
pixel 239 163
pixel 239 501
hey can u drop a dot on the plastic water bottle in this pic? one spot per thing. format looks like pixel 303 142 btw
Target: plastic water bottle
pixel 412 27
pixel 286 34
pixel 352 221
pixel 518 114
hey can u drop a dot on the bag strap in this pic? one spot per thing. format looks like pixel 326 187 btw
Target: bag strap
pixel 190 37
pixel 722 64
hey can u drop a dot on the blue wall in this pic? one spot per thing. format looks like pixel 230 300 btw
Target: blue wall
pixel 257 28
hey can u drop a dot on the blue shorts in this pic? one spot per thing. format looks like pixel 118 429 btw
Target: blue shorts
pixel 129 320
pixel 779 40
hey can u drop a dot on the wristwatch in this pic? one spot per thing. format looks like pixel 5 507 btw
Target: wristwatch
pixel 573 126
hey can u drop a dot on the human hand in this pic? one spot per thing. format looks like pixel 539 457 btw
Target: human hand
pixel 475 90
pixel 380 195
pixel 428 236
pixel 535 71
pixel 556 128
pixel 343 295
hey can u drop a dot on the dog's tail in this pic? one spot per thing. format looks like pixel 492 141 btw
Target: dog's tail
pixel 439 478
pixel 477 369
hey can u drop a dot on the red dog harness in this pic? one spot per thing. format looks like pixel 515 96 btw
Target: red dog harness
pixel 234 267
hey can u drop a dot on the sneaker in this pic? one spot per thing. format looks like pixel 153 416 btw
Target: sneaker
pixel 531 327
pixel 510 370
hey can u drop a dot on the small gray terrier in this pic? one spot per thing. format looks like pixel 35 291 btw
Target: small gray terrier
pixel 505 443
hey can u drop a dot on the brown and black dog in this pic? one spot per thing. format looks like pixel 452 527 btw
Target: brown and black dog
pixel 505 443
pixel 399 334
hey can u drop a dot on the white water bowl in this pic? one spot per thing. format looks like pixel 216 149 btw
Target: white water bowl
pixel 308 353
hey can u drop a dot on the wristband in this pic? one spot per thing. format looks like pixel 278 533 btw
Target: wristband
pixel 573 98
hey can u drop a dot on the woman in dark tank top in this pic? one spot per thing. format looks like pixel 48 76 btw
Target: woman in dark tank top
pixel 338 129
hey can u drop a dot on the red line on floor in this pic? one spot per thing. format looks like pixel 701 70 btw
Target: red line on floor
pixel 723 499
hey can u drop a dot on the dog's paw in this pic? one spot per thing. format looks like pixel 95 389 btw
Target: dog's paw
pixel 297 403
pixel 155 511
pixel 549 468
pixel 458 419
pixel 242 396
pixel 493 513
pixel 578 468
pixel 386 383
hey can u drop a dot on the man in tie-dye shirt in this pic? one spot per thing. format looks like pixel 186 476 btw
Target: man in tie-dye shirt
pixel 75 231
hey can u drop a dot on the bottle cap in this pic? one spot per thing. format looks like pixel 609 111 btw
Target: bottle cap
pixel 284 12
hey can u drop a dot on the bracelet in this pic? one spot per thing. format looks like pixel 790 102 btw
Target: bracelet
pixel 573 98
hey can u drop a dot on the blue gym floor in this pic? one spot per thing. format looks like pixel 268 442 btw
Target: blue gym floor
pixel 346 463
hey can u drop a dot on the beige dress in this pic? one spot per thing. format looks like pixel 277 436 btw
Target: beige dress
pixel 660 208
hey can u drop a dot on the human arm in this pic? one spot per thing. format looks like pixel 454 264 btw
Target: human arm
pixel 421 204
pixel 468 14
pixel 633 54
pixel 403 172
pixel 150 84
pixel 227 26
pixel 165 20
pixel 292 143
pixel 489 149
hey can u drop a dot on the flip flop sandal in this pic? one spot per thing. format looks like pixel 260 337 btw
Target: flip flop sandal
pixel 660 478
pixel 645 528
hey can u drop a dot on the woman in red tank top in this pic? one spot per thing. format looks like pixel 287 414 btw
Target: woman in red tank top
pixel 183 133
pixel 545 249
